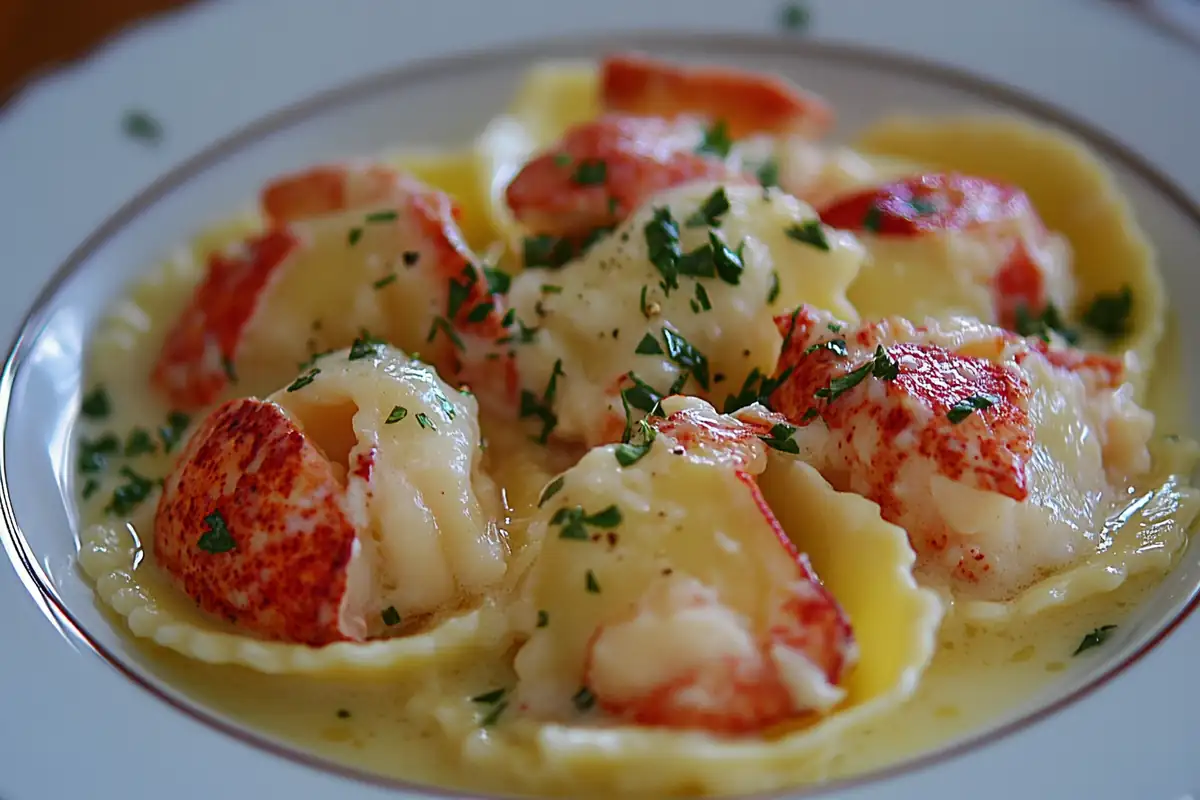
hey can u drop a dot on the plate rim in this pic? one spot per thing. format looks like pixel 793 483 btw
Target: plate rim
pixel 42 590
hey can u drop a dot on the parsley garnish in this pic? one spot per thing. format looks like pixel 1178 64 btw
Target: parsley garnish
pixel 93 453
pixel 96 404
pixel 702 301
pixel 780 438
pixel 755 389
pixel 552 488
pixel 385 280
pixel 227 366
pixel 443 325
pixel 641 395
pixel 596 234
pixel 498 280
pixel 662 241
pixel 795 17
pixel 304 380
pixel 90 487
pixel 590 172
pixel 343 713
pixel 584 699
pixel 217 539
pixel 398 413
pixel 773 291
pixel 1041 325
pixel 728 263
pixel 543 618
pixel 443 403
pixel 922 206
pixel 809 232
pixel 550 288
pixel 716 140
pixel 390 616
pixel 590 583
pixel 140 125
pixel 872 219
pixel 965 407
pixel 424 421
pixel 768 173
pixel 1094 639
pixel 138 442
pixel 715 206
pixel 648 346
pixel 628 453
pixel 480 312
pixel 562 160
pixel 574 521
pixel 353 236
pixel 411 257
pixel 543 409
pixel 490 718
pixel 387 215
pixel 881 366
pixel 680 351
pixel 547 251
pixel 835 346
pixel 1109 312
pixel 130 494
pixel 487 698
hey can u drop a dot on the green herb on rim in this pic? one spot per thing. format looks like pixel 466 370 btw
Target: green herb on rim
pixel 1094 639
pixel 139 124
pixel 398 413
pixel 810 232
pixel 217 539
pixel 968 405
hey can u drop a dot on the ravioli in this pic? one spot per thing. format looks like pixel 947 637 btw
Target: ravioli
pixel 609 313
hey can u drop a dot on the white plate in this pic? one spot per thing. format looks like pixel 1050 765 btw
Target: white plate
pixel 119 738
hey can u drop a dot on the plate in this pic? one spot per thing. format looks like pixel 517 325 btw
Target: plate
pixel 40 385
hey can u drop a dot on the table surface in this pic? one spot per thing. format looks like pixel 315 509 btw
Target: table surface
pixel 38 35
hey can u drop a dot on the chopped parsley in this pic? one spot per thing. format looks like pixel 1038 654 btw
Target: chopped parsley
pixel 398 413
pixel 443 403
pixel 755 389
pixel 130 494
pixel 425 422
pixel 716 140
pixel 552 488
pixel 968 405
pixel 881 366
pixel 543 618
pixel 387 215
pixel 487 698
pixel 627 452
pixel 353 236
pixel 641 395
pixel 583 700
pixel 1109 312
pixel 702 301
pixel 390 616
pixel 550 288
pixel 480 312
pixel 590 583
pixel 699 263
pixel 96 404
pixel 795 17
pixel 93 453
pixel 228 368
pixel 773 290
pixel 217 539
pixel 304 380
pixel 649 346
pixel 562 160
pixel 811 231
pixel 835 346
pixel 90 487
pixel 364 345
pixel 873 219
pixel 547 251
pixel 715 206
pixel 590 172
pixel 139 124
pixel 780 438
pixel 498 281
pixel 1040 326
pixel 443 325
pixel 543 408
pixel 343 713
pixel 728 263
pixel 1094 639
pixel 492 716
pixel 768 173
pixel 411 257
pixel 662 241
pixel 575 521
pixel 597 233
pixel 139 442
pixel 682 353
pixel 385 280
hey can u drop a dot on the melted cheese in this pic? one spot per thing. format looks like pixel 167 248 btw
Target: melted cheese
pixel 593 321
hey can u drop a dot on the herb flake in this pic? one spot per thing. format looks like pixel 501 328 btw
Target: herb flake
pixel 390 616
pixel 96 403
pixel 1095 638
pixel 810 232
pixel 968 405
pixel 217 539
